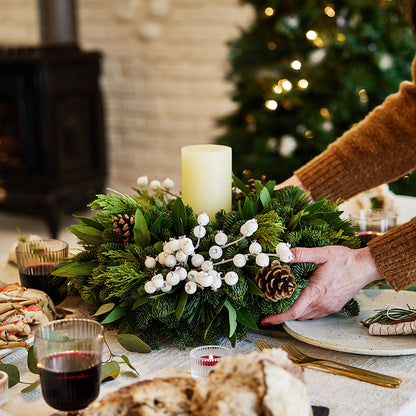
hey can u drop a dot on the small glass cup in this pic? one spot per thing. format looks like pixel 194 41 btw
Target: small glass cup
pixel 372 222
pixel 69 356
pixel 36 260
pixel 203 359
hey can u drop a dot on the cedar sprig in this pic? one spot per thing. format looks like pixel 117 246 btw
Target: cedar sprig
pixel 390 315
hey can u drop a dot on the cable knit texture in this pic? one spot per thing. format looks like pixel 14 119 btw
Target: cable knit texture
pixel 379 149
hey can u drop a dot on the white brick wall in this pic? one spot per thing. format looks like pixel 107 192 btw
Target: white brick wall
pixel 160 93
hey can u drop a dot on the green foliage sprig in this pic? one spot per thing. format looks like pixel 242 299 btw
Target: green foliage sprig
pixel 110 276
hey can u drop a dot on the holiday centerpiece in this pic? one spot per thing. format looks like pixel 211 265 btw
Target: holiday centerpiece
pixel 154 266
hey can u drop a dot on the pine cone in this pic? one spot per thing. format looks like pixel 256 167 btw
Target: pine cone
pixel 124 225
pixel 275 281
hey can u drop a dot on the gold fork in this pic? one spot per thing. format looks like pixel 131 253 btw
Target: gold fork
pixel 357 373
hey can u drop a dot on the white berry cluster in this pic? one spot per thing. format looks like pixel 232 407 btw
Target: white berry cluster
pixel 154 185
pixel 177 252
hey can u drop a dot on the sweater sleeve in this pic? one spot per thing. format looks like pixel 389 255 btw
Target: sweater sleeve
pixel 379 149
pixel 394 254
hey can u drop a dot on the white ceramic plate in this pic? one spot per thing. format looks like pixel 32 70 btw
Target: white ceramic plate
pixel 340 333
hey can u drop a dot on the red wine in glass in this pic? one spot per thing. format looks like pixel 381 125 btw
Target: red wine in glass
pixel 38 277
pixel 70 380
pixel 366 236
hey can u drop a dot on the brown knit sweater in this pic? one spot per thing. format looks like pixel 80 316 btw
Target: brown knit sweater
pixel 379 149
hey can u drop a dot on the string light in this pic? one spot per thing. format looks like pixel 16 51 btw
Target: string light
pixel 269 11
pixel 271 46
pixel 308 134
pixel 318 42
pixel 329 11
pixel 311 35
pixel 325 113
pixel 271 105
pixel 286 84
pixel 277 88
pixel 340 37
pixel 363 96
pixel 296 64
pixel 303 84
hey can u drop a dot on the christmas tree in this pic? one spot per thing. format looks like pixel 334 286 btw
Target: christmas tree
pixel 305 71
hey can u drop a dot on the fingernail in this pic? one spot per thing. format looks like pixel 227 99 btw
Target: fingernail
pixel 265 323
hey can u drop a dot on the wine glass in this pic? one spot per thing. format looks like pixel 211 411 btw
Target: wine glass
pixel 69 353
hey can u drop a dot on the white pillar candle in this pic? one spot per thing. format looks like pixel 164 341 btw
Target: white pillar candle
pixel 207 178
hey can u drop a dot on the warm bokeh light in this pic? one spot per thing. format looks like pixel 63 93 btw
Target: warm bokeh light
pixel 271 46
pixel 271 105
pixel 329 11
pixel 303 83
pixel 325 113
pixel 308 134
pixel 318 42
pixel 363 96
pixel 277 88
pixel 269 11
pixel 341 37
pixel 296 64
pixel 286 84
pixel 311 35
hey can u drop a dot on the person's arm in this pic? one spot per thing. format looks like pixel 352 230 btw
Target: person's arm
pixel 379 149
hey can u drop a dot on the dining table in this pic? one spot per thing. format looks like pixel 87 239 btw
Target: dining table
pixel 343 396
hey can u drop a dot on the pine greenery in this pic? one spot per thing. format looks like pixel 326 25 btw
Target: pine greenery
pixel 110 275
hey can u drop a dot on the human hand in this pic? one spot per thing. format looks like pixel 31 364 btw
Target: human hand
pixel 294 181
pixel 341 272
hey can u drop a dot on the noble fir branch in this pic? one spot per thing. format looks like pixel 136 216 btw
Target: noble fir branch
pixel 114 204
pixel 123 281
pixel 270 230
pixel 351 308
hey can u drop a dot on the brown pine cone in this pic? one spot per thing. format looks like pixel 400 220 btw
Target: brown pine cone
pixel 251 183
pixel 275 281
pixel 124 225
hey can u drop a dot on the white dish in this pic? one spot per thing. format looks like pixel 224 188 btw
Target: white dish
pixel 339 333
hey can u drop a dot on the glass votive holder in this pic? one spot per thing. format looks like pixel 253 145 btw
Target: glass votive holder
pixel 203 359
pixel 4 387
pixel 372 222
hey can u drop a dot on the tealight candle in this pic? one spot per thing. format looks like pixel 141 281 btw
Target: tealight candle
pixel 207 178
pixel 204 359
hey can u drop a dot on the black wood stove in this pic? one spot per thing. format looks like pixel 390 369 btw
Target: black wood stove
pixel 52 135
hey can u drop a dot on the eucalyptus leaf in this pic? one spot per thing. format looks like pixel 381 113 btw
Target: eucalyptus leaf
pixel 232 317
pixel 245 318
pixel 233 339
pixel 241 185
pixel 179 216
pixel 31 361
pixel 139 302
pixel 133 343
pixel 110 371
pixel 141 232
pixel 90 222
pixel 155 228
pixel 265 197
pixel 107 307
pixel 180 307
pixel 127 361
pixel 13 373
pixel 87 234
pixel 118 312
pixel 249 210
pixel 32 387
pixel 75 269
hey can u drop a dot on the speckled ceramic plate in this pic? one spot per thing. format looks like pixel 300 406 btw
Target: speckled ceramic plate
pixel 340 333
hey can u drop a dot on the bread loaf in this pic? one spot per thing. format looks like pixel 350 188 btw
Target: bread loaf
pixel 255 384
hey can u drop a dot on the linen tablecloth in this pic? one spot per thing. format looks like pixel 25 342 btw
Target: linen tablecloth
pixel 342 395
